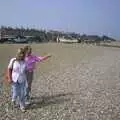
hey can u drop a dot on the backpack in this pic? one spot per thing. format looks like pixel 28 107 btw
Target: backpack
pixel 8 73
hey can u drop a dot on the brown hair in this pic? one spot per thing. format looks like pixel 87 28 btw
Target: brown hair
pixel 26 48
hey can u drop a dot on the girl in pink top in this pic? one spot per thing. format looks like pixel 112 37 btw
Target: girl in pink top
pixel 30 63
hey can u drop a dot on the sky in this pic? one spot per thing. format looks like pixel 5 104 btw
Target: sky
pixel 99 17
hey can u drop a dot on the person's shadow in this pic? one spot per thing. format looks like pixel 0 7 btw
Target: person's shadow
pixel 46 100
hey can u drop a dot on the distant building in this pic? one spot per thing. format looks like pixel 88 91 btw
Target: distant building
pixel 66 39
pixel 14 39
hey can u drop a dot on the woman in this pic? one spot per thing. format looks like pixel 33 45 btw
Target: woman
pixel 30 62
pixel 17 78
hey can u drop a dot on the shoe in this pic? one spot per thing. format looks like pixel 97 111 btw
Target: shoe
pixel 27 102
pixel 23 109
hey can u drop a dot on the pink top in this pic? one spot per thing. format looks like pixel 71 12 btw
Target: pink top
pixel 31 60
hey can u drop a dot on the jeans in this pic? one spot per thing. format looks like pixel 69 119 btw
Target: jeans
pixel 18 90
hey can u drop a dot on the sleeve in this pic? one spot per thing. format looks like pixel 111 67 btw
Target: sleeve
pixel 40 58
pixel 10 63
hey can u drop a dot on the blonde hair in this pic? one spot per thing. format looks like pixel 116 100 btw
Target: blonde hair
pixel 20 51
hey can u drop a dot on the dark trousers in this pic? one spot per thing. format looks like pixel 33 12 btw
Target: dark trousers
pixel 29 81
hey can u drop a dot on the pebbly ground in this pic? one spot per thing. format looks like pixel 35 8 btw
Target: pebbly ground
pixel 88 89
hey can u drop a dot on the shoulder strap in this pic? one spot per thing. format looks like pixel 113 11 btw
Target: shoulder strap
pixel 13 62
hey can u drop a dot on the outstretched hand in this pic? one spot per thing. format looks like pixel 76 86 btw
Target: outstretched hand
pixel 49 56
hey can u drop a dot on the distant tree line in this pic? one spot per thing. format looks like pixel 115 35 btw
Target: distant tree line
pixel 47 36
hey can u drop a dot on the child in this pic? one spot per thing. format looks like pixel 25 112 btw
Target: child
pixel 30 62
pixel 17 78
